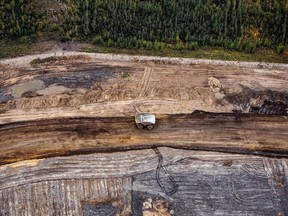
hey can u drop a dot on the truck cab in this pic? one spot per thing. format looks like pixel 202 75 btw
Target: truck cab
pixel 145 120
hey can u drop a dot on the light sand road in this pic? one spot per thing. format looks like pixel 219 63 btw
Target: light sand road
pixel 25 60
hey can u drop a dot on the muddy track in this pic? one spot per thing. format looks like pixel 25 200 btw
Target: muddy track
pixel 233 133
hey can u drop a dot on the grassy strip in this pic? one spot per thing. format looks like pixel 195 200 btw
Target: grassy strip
pixel 10 49
pixel 25 45
pixel 22 47
pixel 261 54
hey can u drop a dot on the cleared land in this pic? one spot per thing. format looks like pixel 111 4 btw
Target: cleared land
pixel 81 108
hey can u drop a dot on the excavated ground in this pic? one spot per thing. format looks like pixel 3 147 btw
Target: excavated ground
pixel 71 106
pixel 80 81
pixel 66 98
pixel 234 133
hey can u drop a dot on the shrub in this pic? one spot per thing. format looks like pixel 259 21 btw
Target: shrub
pixel 139 44
pixel 148 45
pixel 267 42
pixel 158 45
pixel 98 40
pixel 110 43
pixel 65 38
pixel 240 45
pixel 280 49
pixel 231 46
pixel 250 47
pixel 124 74
pixel 133 42
pixel 26 39
pixel 121 43
pixel 193 45
pixel 179 44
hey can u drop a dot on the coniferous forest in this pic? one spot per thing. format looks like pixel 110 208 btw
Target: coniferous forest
pixel 152 24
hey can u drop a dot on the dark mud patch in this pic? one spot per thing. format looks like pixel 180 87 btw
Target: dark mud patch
pixel 247 94
pixel 80 79
pixel 263 102
pixel 5 96
pixel 270 107
pixel 84 78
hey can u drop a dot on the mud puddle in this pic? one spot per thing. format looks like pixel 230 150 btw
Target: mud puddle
pixel 29 86
pixel 18 90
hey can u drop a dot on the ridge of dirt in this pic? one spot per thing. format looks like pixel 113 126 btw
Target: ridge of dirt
pixel 57 52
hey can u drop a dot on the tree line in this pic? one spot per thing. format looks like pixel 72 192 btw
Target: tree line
pixel 154 24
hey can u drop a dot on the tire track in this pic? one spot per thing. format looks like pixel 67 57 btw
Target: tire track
pixel 145 81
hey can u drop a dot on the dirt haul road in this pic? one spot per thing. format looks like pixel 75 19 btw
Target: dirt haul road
pixel 235 133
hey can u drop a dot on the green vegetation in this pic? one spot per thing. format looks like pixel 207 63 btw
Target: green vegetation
pixel 156 25
pixel 124 74
pixel 24 45
pixel 16 48
pixel 280 49
pixel 242 25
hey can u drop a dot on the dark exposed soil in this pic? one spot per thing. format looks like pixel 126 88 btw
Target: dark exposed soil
pixel 234 133
pixel 5 96
pixel 263 102
pixel 80 79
